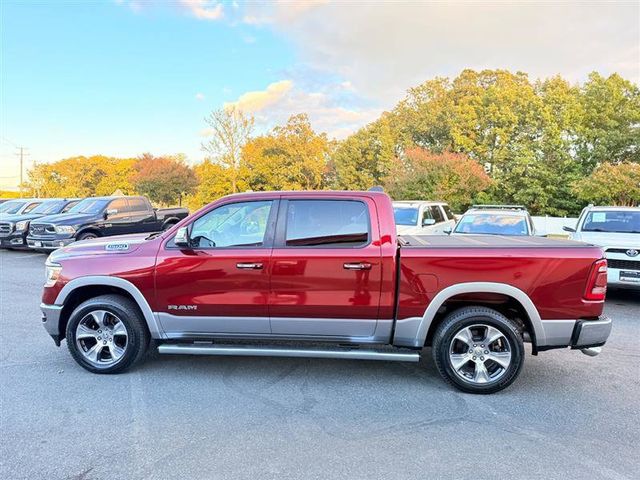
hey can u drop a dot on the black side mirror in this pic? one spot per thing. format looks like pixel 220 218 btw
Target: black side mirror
pixel 568 229
pixel 182 238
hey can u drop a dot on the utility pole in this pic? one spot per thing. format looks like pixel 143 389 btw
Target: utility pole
pixel 21 155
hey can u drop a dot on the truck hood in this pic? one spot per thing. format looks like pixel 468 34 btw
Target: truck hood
pixel 20 218
pixel 72 219
pixel 116 245
pixel 609 240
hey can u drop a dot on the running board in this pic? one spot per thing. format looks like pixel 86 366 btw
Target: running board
pixel 251 351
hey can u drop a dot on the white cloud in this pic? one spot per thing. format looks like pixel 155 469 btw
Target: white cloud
pixel 280 100
pixel 387 47
pixel 203 9
pixel 252 102
pixel 200 96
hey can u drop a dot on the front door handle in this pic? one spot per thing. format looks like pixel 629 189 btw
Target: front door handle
pixel 249 266
pixel 357 266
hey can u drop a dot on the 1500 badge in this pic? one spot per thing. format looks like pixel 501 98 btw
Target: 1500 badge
pixel 116 247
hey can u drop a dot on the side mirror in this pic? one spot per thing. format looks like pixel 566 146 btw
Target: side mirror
pixel 111 211
pixel 182 238
pixel 568 229
pixel 447 230
pixel 428 221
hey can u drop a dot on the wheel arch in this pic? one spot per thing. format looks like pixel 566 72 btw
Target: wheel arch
pixel 88 230
pixel 417 331
pixel 84 288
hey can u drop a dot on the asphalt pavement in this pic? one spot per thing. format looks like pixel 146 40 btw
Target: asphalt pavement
pixel 567 415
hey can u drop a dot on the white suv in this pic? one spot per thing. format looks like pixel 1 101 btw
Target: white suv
pixel 617 231
pixel 422 218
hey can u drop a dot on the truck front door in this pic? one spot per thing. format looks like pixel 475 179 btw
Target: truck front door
pixel 221 284
pixel 326 271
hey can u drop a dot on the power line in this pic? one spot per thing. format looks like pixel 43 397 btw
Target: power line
pixel 21 155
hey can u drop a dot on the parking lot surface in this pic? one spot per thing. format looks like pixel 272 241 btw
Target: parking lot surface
pixel 567 416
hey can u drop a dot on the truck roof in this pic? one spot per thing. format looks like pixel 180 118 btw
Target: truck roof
pixel 309 193
pixel 416 203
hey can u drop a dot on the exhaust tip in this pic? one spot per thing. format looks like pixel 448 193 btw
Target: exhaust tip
pixel 592 352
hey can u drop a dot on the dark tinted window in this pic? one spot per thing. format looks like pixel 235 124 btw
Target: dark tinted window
pixel 328 223
pixel 69 206
pixel 437 214
pixel 137 205
pixel 119 204
pixel 448 211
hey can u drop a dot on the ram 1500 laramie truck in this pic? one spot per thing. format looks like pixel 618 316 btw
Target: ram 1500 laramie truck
pixel 323 274
pixel 101 217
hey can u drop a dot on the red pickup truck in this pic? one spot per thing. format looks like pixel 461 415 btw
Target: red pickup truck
pixel 323 274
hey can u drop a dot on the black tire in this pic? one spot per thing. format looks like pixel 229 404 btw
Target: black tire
pixel 127 312
pixel 168 225
pixel 471 317
pixel 87 236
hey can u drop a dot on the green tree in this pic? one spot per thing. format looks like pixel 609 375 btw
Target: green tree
pixel 291 157
pixel 230 130
pixel 611 185
pixel 164 179
pixel 214 181
pixel 365 158
pixel 423 175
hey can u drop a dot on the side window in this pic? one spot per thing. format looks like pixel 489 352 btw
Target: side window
pixel 327 223
pixel 69 206
pixel 426 215
pixel 437 213
pixel 120 204
pixel 30 207
pixel 448 211
pixel 137 205
pixel 242 224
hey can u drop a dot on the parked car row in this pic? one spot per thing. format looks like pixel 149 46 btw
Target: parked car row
pixel 51 223
pixel 615 229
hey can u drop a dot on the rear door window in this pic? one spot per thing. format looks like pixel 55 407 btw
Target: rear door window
pixel 327 223
pixel 448 211
pixel 137 205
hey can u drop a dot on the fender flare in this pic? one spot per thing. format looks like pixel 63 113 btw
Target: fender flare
pixel 130 288
pixel 413 331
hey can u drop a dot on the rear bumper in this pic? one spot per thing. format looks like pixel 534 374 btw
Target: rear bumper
pixel 591 333
pixel 51 320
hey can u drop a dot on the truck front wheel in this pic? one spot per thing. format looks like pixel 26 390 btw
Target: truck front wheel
pixel 106 334
pixel 478 350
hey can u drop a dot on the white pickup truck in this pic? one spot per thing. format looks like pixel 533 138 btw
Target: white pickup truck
pixel 617 231
pixel 422 218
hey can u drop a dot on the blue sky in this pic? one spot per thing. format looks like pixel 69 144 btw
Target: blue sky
pixel 126 77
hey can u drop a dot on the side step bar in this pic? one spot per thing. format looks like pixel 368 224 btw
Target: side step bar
pixel 265 351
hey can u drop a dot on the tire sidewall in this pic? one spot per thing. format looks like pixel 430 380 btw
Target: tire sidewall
pixel 133 338
pixel 516 344
pixel 87 236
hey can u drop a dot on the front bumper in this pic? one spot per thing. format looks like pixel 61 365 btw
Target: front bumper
pixel 48 244
pixel 51 320
pixel 14 240
pixel 620 277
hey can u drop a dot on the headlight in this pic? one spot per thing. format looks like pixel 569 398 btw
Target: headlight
pixel 52 272
pixel 68 229
pixel 22 226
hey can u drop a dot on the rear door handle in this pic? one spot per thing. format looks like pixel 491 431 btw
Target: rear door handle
pixel 357 266
pixel 249 266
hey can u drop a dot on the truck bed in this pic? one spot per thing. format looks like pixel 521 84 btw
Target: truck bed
pixel 485 241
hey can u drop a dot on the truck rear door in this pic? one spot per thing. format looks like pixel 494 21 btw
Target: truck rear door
pixel 142 217
pixel 326 270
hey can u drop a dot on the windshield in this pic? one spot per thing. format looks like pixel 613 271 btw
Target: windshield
pixel 492 224
pixel 405 216
pixel 12 206
pixel 50 207
pixel 90 205
pixel 612 221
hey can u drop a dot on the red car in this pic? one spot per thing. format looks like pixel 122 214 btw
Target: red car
pixel 323 274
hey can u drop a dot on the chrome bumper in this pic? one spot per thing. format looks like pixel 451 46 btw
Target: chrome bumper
pixel 591 333
pixel 51 320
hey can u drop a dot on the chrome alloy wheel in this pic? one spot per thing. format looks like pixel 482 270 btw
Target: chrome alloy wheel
pixel 480 354
pixel 102 338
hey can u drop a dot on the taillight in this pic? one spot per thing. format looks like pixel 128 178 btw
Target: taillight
pixel 597 283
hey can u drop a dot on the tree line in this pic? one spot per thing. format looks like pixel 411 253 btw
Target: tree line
pixel 491 136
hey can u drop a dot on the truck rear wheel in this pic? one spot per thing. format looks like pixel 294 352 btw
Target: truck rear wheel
pixel 478 350
pixel 107 334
